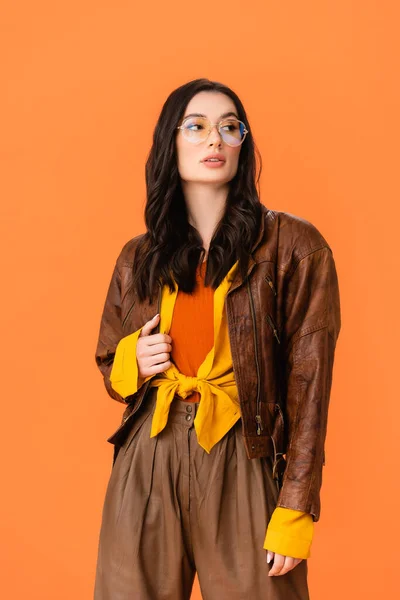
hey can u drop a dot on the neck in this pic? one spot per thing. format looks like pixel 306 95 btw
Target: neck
pixel 206 206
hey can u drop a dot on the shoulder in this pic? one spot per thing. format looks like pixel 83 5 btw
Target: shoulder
pixel 127 253
pixel 300 234
pixel 293 238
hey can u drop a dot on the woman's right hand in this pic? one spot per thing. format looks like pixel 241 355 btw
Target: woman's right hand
pixel 153 350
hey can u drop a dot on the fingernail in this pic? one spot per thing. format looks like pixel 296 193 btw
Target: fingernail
pixel 269 558
pixel 155 316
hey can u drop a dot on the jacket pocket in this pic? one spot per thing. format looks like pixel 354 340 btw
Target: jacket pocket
pixel 273 327
pixel 278 442
pixel 271 284
pixel 278 429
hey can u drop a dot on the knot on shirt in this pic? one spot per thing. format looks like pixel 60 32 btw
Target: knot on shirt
pixel 186 385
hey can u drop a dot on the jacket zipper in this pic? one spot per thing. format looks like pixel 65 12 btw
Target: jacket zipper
pixel 270 283
pixel 274 329
pixel 258 416
pixel 280 411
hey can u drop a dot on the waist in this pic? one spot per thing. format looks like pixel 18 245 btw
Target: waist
pixel 193 398
pixel 180 410
pixel 191 389
pixel 183 411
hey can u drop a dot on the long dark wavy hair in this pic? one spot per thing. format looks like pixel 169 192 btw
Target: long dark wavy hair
pixel 171 245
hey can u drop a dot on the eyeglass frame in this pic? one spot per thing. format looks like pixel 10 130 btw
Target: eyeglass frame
pixel 246 131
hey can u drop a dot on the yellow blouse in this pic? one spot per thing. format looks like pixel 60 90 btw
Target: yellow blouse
pixel 289 531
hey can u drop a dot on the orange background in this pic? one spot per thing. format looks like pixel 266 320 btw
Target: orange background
pixel 84 84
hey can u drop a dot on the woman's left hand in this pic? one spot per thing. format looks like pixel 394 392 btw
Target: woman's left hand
pixel 282 564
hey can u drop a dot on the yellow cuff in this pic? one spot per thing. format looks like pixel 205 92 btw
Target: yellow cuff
pixel 124 376
pixel 290 533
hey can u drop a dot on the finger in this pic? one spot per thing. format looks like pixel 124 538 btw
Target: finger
pixel 158 368
pixel 163 366
pixel 145 352
pixel 287 565
pixel 158 338
pixel 149 325
pixel 297 561
pixel 279 560
pixel 156 359
pixel 158 348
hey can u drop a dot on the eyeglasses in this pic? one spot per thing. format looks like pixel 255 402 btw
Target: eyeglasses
pixel 197 129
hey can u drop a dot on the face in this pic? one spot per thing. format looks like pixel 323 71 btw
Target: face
pixel 191 167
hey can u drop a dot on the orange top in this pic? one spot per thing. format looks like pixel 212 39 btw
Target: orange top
pixel 192 328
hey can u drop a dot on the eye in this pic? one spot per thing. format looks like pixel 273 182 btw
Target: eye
pixel 192 126
pixel 232 126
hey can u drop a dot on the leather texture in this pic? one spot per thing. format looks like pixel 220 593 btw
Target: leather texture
pixel 284 320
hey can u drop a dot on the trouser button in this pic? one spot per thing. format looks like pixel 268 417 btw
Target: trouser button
pixel 188 409
pixel 188 418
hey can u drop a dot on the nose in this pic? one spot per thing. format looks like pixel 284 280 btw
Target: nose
pixel 215 136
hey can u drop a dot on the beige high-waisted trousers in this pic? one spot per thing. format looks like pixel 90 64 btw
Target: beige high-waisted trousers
pixel 171 509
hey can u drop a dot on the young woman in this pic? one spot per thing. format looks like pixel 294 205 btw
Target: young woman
pixel 218 333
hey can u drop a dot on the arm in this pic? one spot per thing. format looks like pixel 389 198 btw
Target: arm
pixel 311 325
pixel 110 332
pixel 112 343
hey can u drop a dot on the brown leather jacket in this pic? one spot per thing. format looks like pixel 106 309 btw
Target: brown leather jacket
pixel 284 321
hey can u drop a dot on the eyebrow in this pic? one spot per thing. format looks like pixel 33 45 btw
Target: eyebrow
pixel 223 116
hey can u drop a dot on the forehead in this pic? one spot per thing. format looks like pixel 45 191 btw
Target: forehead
pixel 210 104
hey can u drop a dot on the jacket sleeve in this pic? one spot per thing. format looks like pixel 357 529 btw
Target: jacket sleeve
pixel 112 342
pixel 110 332
pixel 311 325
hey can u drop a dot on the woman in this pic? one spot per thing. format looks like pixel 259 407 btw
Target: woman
pixel 218 332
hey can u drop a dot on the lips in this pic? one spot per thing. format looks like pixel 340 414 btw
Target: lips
pixel 214 156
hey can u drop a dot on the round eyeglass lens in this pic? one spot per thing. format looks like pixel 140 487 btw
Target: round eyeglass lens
pixel 196 129
pixel 232 131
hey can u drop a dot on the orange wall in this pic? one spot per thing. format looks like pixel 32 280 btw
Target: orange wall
pixel 84 83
